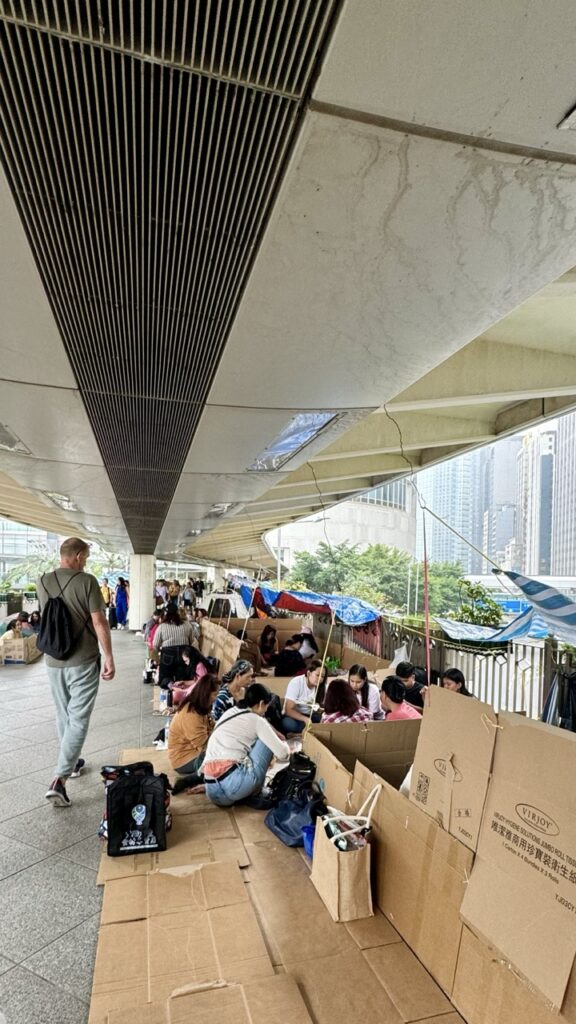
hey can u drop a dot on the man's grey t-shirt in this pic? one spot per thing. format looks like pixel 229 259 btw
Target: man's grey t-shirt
pixel 82 596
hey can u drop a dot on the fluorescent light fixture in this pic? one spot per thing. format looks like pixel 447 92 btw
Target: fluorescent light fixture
pixel 62 501
pixel 10 442
pixel 300 431
pixel 193 533
pixel 91 529
pixel 220 508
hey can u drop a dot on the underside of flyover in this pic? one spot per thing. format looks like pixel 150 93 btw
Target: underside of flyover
pixel 259 257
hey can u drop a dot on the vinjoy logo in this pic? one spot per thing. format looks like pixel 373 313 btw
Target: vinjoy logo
pixel 440 766
pixel 537 819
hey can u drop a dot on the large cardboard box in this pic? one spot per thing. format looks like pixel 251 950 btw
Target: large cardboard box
pixel 19 650
pixel 419 876
pixel 522 893
pixel 487 990
pixel 453 762
pixel 387 748
pixel 217 642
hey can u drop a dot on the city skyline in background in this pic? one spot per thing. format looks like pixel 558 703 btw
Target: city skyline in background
pixel 513 500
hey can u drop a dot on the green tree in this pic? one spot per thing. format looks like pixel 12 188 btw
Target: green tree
pixel 477 605
pixel 33 566
pixel 326 570
pixel 379 575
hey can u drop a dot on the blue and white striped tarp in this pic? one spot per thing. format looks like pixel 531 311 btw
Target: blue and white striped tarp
pixel 527 624
pixel 556 610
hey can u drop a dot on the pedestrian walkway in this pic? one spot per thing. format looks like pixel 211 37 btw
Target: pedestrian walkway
pixel 50 905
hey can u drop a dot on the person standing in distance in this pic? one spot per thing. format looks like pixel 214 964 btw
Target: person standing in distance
pixel 74 682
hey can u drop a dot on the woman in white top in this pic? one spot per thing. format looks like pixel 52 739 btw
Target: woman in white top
pixel 240 750
pixel 299 696
pixel 367 693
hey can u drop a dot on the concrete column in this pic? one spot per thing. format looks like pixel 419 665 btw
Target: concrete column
pixel 142 579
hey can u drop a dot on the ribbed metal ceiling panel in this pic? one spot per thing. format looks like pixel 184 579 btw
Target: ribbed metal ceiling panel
pixel 144 144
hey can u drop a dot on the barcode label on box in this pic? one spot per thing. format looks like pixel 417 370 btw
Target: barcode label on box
pixel 422 787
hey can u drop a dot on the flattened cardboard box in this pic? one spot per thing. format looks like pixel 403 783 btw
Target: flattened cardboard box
pixel 274 1000
pixel 453 761
pixel 203 887
pixel 419 876
pixel 145 961
pixel 487 990
pixel 387 748
pixel 522 893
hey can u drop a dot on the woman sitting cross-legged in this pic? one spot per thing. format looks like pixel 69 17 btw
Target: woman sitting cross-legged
pixel 240 750
pixel 341 704
pixel 190 731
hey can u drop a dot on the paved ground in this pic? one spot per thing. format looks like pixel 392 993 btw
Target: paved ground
pixel 49 903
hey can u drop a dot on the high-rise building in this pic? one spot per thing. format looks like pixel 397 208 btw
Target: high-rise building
pixel 564 499
pixel 447 490
pixel 535 485
pixel 18 542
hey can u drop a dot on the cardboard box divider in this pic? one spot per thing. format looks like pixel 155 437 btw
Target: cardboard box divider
pixel 453 762
pixel 522 893
pixel 217 642
pixel 387 748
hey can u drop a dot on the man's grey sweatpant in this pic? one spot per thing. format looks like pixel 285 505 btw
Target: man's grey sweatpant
pixel 74 690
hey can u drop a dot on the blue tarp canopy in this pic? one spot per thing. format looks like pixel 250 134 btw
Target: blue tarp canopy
pixel 527 624
pixel 349 610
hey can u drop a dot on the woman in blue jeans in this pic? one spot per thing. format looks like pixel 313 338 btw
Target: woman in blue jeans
pixel 240 750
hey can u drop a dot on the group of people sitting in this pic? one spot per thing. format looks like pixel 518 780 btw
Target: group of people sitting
pixel 226 732
pixel 24 624
pixel 295 655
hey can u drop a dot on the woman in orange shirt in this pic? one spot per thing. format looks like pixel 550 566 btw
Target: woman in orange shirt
pixel 189 732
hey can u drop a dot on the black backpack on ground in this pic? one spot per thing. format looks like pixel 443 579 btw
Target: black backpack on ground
pixel 137 816
pixel 294 781
pixel 56 637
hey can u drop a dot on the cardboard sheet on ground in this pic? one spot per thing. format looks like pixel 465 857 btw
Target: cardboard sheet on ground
pixel 387 748
pixel 145 961
pixel 271 1001
pixel 203 887
pixel 522 894
pixel 419 876
pixel 453 761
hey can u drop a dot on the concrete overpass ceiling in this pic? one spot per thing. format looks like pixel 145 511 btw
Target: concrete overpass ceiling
pixel 242 214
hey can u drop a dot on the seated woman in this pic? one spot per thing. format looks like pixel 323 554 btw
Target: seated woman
pixel 190 730
pixel 341 704
pixel 367 693
pixel 290 662
pixel 309 648
pixel 172 634
pixel 393 700
pixel 240 750
pixel 234 682
pixel 453 679
pixel 268 644
pixel 34 621
pixel 299 697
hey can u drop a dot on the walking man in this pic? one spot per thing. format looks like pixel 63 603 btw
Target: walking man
pixel 74 681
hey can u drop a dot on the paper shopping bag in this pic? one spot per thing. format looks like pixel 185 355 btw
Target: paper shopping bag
pixel 342 876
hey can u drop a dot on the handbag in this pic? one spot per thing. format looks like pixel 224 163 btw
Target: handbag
pixel 137 815
pixel 341 861
pixel 287 819
pixel 294 780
